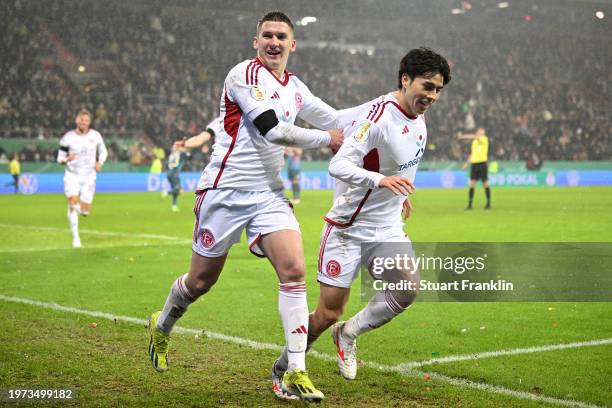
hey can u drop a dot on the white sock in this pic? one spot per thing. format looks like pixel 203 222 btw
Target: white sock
pixel 177 302
pixel 379 310
pixel 73 219
pixel 293 309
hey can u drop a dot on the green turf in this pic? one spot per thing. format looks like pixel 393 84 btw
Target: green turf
pixel 129 274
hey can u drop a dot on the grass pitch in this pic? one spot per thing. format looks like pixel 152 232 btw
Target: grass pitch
pixel 134 247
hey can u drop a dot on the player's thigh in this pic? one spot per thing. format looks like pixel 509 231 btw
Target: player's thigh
pixel 332 298
pixel 87 190
pixel 72 187
pixel 339 256
pixel 220 217
pixel 392 259
pixel 204 271
pixel 285 251
pixel 391 247
pixel 274 213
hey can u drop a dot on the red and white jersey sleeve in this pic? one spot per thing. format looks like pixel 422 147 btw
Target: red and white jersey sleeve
pixel 242 158
pixel 87 148
pixel 385 141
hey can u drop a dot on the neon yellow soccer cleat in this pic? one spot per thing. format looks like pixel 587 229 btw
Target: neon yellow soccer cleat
pixel 158 344
pixel 297 383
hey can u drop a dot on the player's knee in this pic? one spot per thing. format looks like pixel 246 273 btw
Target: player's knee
pixel 199 287
pixel 292 271
pixel 326 317
pixel 404 298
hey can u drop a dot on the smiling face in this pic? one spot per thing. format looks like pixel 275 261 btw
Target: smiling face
pixel 274 43
pixel 416 96
pixel 83 121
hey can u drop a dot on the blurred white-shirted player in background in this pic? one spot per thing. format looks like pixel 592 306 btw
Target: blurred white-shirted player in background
pixel 241 189
pixel 376 166
pixel 83 152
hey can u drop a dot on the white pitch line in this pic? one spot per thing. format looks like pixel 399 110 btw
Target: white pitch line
pixel 511 352
pixel 407 371
pixel 96 232
pixel 67 247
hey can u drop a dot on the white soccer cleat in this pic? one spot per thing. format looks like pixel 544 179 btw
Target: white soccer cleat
pixel 346 352
pixel 76 242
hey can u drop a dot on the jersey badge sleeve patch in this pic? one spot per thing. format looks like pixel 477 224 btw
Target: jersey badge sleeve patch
pixel 258 93
pixel 362 133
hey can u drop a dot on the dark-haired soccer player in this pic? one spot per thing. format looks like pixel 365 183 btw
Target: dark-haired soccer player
pixel 241 189
pixel 478 159
pixel 377 164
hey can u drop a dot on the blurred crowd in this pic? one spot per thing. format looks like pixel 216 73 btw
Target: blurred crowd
pixel 156 74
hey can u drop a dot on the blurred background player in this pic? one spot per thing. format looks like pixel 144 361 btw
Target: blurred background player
pixel 241 189
pixel 157 167
pixel 83 152
pixel 478 159
pixel 15 170
pixel 377 164
pixel 294 159
pixel 176 160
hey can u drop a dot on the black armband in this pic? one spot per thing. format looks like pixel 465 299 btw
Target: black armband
pixel 64 149
pixel 212 132
pixel 266 121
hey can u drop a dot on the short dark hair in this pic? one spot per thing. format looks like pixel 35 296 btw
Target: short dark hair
pixel 274 16
pixel 423 62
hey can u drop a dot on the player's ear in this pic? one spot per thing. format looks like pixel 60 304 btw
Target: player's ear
pixel 293 45
pixel 255 42
pixel 406 81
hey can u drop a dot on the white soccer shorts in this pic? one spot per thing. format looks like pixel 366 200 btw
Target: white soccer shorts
pixel 340 253
pixel 83 187
pixel 222 215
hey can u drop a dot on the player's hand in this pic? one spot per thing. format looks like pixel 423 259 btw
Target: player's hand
pixel 464 165
pixel 337 137
pixel 98 167
pixel 71 157
pixel 397 185
pixel 406 209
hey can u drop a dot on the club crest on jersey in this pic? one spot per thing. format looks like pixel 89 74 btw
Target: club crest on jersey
pixel 258 93
pixel 362 133
pixel 299 101
pixel 208 239
pixel 332 269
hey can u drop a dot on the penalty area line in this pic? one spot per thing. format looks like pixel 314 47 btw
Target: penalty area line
pixel 401 369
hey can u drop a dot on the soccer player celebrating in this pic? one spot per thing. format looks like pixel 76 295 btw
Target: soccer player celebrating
pixel 376 164
pixel 83 152
pixel 478 159
pixel 241 188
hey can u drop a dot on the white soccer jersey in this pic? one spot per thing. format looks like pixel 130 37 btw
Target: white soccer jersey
pixel 242 158
pixel 85 147
pixel 385 141
pixel 214 125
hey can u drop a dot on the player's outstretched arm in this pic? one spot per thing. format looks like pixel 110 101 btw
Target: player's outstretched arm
pixel 194 141
pixel 286 134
